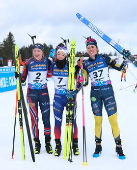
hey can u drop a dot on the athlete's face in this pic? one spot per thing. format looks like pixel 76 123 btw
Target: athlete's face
pixel 37 53
pixel 92 51
pixel 61 55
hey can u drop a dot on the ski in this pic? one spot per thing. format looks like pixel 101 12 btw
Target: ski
pixel 27 125
pixel 19 104
pixel 111 42
pixel 14 131
pixel 70 105
pixel 23 104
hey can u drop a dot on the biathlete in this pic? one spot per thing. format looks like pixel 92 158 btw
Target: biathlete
pixel 37 70
pixel 102 93
pixel 60 76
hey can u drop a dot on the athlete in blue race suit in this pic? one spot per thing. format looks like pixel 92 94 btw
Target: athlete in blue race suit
pixel 102 93
pixel 37 70
pixel 60 77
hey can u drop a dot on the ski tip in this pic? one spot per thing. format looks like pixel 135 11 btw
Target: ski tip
pixel 85 163
pixel 78 15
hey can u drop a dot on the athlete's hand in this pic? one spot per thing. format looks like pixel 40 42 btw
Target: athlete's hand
pixel 71 94
pixel 17 75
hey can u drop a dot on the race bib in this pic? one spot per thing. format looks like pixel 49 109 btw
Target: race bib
pixel 60 84
pixel 99 76
pixel 37 77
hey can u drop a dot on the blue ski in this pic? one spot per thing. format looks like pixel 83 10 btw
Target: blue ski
pixel 116 46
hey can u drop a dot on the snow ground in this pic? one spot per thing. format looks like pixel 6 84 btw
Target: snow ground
pixel 127 118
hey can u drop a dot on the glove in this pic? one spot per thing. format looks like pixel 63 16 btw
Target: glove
pixel 71 94
pixel 85 84
pixel 126 53
pixel 81 79
pixel 23 84
pixel 17 75
pixel 52 53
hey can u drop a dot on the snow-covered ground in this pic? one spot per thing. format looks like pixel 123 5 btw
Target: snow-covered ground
pixel 127 118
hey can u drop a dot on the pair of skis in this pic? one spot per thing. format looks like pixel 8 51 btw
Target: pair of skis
pixel 70 107
pixel 20 108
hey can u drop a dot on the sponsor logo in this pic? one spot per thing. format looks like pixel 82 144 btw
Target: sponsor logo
pixel 93 99
pixel 95 29
pixel 7 81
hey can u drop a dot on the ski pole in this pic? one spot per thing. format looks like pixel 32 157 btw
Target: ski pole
pixel 32 38
pixel 16 106
pixel 132 74
pixel 27 125
pixel 81 79
pixel 127 87
pixel 84 131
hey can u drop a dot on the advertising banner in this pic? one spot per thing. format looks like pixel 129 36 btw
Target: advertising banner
pixel 7 79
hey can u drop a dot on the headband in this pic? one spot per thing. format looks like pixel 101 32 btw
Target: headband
pixel 40 46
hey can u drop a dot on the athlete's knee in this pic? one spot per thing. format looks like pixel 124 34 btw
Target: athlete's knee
pixel 113 120
pixel 58 121
pixel 98 120
pixel 34 116
pixel 96 109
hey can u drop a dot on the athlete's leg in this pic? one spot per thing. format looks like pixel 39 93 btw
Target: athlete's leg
pixel 32 99
pixel 96 104
pixel 111 108
pixel 58 107
pixel 44 104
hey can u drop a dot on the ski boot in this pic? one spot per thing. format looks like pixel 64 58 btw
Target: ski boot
pixel 48 145
pixel 98 148
pixel 58 147
pixel 37 146
pixel 75 147
pixel 119 150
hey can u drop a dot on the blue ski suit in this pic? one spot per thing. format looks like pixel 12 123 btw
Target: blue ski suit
pixel 60 77
pixel 102 92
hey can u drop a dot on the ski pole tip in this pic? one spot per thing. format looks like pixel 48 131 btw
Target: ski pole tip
pixel 85 163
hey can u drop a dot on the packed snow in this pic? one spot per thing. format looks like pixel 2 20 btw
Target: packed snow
pixel 127 118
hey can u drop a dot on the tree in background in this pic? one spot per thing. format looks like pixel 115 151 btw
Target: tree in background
pixel 47 49
pixel 6 51
pixel 26 52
